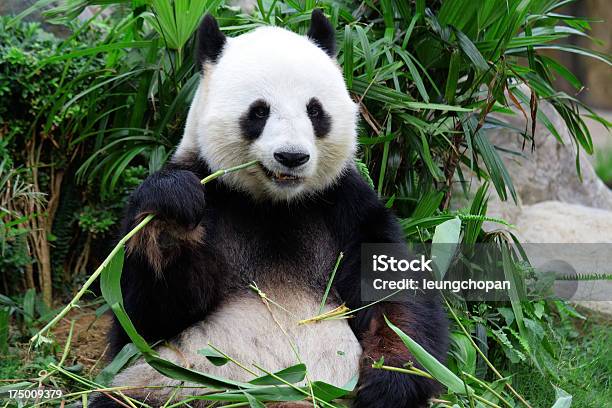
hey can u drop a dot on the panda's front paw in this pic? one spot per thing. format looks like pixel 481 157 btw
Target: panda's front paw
pixel 177 199
pixel 385 389
pixel 174 196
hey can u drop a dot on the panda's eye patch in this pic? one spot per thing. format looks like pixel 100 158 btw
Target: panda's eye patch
pixel 259 110
pixel 253 121
pixel 313 108
pixel 321 121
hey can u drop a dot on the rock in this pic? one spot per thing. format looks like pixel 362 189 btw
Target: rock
pixel 549 172
pixel 247 6
pixel 558 222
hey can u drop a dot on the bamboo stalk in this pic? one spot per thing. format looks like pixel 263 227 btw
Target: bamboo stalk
pixel 340 312
pixel 411 370
pixel 491 390
pixel 330 282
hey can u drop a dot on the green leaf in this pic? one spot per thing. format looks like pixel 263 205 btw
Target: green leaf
pixel 110 279
pixel 497 170
pixel 453 77
pixel 127 353
pixel 4 330
pixel 567 48
pixel 411 226
pixel 328 392
pixel 416 76
pixel 388 18
pixel 444 245
pixel 464 352
pixel 425 153
pixel 562 398
pixel 510 273
pixel 367 52
pixel 431 364
pixel 265 393
pixel 293 374
pixel 122 45
pixel 214 356
pixel 169 369
pixel 253 402
pixel 22 385
pixel 470 50
pixel 348 56
pixel 428 204
pixel 29 301
pixel 365 173
pixel 478 208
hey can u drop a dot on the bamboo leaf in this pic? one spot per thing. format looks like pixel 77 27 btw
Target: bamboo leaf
pixel 348 56
pixel 293 374
pixel 253 403
pixel 562 398
pixel 470 50
pixel 444 245
pixel 96 50
pixel 214 356
pixel 127 353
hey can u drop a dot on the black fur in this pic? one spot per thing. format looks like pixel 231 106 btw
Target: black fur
pixel 321 121
pixel 100 400
pixel 344 216
pixel 210 41
pixel 253 121
pixel 322 32
pixel 179 195
pixel 104 401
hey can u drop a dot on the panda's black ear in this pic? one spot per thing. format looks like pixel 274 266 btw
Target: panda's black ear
pixel 322 32
pixel 210 41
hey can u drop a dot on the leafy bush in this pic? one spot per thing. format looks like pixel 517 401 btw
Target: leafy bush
pixel 46 107
pixel 16 198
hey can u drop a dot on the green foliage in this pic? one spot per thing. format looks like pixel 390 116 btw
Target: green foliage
pixel 603 165
pixel 32 94
pixel 584 365
pixel 26 312
pixel 16 197
pixel 99 219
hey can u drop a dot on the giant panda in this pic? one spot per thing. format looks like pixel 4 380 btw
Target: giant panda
pixel 277 97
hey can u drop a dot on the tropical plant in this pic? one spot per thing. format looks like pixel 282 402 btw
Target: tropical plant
pixel 40 130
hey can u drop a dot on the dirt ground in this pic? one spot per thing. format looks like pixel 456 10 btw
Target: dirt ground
pixel 89 344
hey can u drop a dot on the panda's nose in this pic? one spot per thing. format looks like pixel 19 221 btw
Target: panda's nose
pixel 291 159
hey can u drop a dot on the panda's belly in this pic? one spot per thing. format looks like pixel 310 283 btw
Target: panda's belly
pixel 250 332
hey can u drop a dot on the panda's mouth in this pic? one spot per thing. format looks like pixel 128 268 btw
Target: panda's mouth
pixel 284 179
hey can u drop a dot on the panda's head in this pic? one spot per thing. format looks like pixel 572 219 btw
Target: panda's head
pixel 277 97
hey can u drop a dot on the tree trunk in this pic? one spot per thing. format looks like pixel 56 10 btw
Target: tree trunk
pixel 45 250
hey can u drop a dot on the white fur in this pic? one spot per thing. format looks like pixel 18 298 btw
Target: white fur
pixel 286 70
pixel 246 330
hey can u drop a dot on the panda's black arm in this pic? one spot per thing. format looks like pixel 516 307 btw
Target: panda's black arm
pixel 169 279
pixel 365 220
